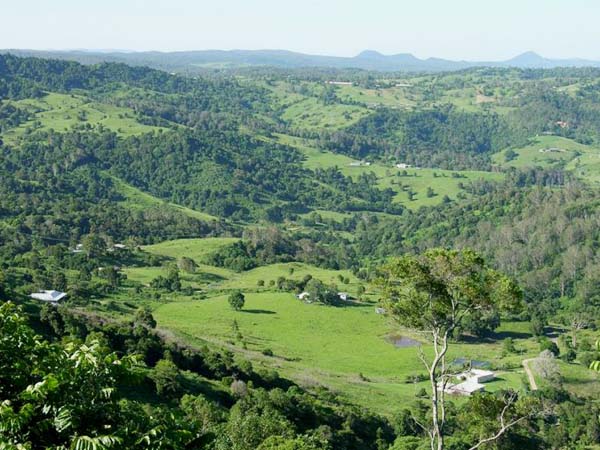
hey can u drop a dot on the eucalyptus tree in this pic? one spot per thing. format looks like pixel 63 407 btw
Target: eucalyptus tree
pixel 434 293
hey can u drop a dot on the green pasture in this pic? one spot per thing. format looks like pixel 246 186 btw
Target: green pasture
pixel 196 249
pixel 443 182
pixel 394 97
pixel 62 111
pixel 544 151
pixel 312 114
pixel 342 348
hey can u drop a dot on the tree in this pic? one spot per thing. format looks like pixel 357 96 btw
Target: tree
pixel 510 154
pixel 319 292
pixel 433 293
pixel 237 300
pixel 537 325
pixel 578 318
pixel 166 378
pixel 93 245
pixel 144 317
pixel 187 264
pixel 547 367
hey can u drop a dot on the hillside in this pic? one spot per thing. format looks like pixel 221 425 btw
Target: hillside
pixel 243 252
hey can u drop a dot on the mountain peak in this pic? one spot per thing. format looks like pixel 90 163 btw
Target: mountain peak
pixel 370 54
pixel 528 57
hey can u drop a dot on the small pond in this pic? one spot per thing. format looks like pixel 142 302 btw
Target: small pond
pixel 402 341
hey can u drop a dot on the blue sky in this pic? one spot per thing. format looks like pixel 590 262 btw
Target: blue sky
pixel 456 29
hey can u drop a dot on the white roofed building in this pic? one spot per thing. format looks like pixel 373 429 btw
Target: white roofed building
pixel 303 295
pixel 49 296
pixel 472 383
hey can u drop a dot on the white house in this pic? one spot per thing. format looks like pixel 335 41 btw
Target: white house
pixel 359 163
pixel 468 387
pixel 478 375
pixel 403 166
pixel 49 296
pixel 340 83
pixel 472 383
pixel 303 295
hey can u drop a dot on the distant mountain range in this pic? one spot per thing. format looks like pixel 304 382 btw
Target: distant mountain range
pixel 366 60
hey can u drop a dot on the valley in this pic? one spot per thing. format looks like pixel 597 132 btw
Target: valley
pixel 291 247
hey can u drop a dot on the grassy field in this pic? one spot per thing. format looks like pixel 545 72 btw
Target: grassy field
pixel 443 182
pixel 395 97
pixel 342 348
pixel 312 114
pixel 196 249
pixel 61 111
pixel 586 167
pixel 564 151
pixel 136 199
pixel 556 152
pixel 295 271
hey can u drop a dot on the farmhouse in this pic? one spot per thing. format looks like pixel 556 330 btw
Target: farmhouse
pixel 479 375
pixel 340 83
pixel 551 150
pixel 359 163
pixel 472 383
pixel 403 166
pixel 49 296
pixel 468 387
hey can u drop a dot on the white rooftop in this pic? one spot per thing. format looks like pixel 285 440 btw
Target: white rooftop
pixel 49 296
pixel 465 388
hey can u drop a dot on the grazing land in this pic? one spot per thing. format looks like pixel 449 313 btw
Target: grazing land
pixel 61 111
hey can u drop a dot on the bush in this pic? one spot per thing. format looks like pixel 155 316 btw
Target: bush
pixel 239 388
pixel 421 393
pixel 569 356
pixel 547 344
pixel 586 358
pixel 166 378
pixel 508 345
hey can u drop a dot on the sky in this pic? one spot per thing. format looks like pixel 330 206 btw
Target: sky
pixel 453 29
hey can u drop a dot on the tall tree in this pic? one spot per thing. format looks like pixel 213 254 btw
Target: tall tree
pixel 433 293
